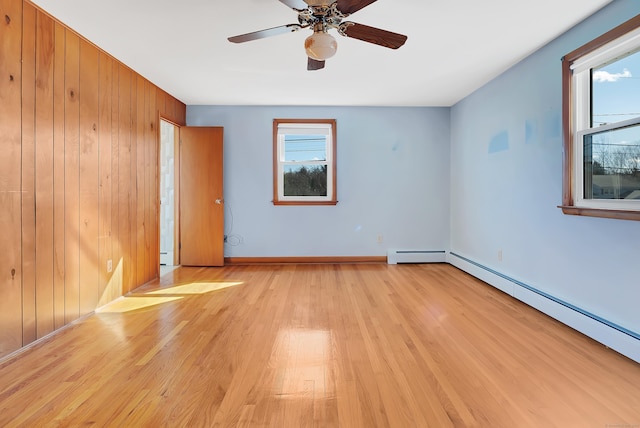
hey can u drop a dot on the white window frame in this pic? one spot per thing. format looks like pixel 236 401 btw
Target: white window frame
pixel 576 76
pixel 606 204
pixel 582 69
pixel 283 127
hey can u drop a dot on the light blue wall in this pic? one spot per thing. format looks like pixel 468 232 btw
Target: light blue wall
pixel 506 184
pixel 393 180
pixel 482 177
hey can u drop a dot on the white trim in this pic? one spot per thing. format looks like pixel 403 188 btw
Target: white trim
pixel 325 129
pixel 581 120
pixel 619 47
pixel 612 126
pixel 298 128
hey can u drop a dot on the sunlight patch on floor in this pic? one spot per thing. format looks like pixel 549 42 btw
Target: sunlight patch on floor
pixel 128 304
pixel 164 295
pixel 195 288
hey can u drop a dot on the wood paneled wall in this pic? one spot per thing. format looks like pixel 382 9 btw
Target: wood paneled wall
pixel 78 175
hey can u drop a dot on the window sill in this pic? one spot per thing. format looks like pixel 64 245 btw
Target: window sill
pixel 594 212
pixel 305 203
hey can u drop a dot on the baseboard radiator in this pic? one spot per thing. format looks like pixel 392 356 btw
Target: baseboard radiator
pixel 415 256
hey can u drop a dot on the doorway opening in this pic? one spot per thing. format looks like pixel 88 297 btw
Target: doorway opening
pixel 169 196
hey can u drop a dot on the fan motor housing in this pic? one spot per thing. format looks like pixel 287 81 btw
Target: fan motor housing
pixel 327 16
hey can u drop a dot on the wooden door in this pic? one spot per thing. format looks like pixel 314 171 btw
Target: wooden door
pixel 201 197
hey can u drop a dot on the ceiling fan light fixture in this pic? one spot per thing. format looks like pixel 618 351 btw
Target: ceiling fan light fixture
pixel 320 46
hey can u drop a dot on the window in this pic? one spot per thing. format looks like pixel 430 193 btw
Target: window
pixel 601 118
pixel 304 162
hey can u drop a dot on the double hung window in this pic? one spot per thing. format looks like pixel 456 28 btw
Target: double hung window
pixel 601 103
pixel 304 162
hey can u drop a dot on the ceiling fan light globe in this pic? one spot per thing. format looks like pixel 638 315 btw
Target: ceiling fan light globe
pixel 320 46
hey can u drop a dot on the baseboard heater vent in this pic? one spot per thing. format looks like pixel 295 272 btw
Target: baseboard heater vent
pixel 415 256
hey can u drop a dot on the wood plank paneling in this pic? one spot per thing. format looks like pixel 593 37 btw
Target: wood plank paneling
pixel 104 194
pixel 59 96
pixel 89 180
pixel 147 181
pixel 72 177
pixel 28 174
pixel 10 175
pixel 161 102
pixel 44 175
pixel 78 175
pixel 133 200
pixel 181 116
pixel 124 169
pixel 116 248
pixel 140 195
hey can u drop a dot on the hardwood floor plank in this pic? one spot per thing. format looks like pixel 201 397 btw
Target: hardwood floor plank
pixel 319 346
pixel 153 351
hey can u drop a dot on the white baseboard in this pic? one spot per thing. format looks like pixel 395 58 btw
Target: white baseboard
pixel 609 334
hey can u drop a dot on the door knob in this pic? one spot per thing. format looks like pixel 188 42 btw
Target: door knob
pixel 219 201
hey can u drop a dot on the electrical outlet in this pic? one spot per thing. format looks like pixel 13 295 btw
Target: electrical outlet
pixel 499 255
pixel 380 239
pixel 109 265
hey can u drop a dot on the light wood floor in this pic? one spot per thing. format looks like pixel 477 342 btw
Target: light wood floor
pixel 320 345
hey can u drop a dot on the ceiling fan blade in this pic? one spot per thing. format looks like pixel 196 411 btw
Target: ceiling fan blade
pixel 352 6
pixel 295 4
pixel 372 35
pixel 314 64
pixel 265 33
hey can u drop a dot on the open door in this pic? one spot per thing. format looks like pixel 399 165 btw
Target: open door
pixel 201 196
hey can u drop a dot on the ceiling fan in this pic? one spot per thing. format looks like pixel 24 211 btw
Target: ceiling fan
pixel 321 16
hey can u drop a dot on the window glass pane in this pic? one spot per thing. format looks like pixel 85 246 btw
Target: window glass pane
pixel 612 164
pixel 300 148
pixel 305 180
pixel 614 90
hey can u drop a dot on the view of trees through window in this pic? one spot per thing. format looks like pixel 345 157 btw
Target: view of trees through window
pixel 612 164
pixel 306 181
pixel 305 169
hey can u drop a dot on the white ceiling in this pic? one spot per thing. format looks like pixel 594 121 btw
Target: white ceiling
pixel 454 47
